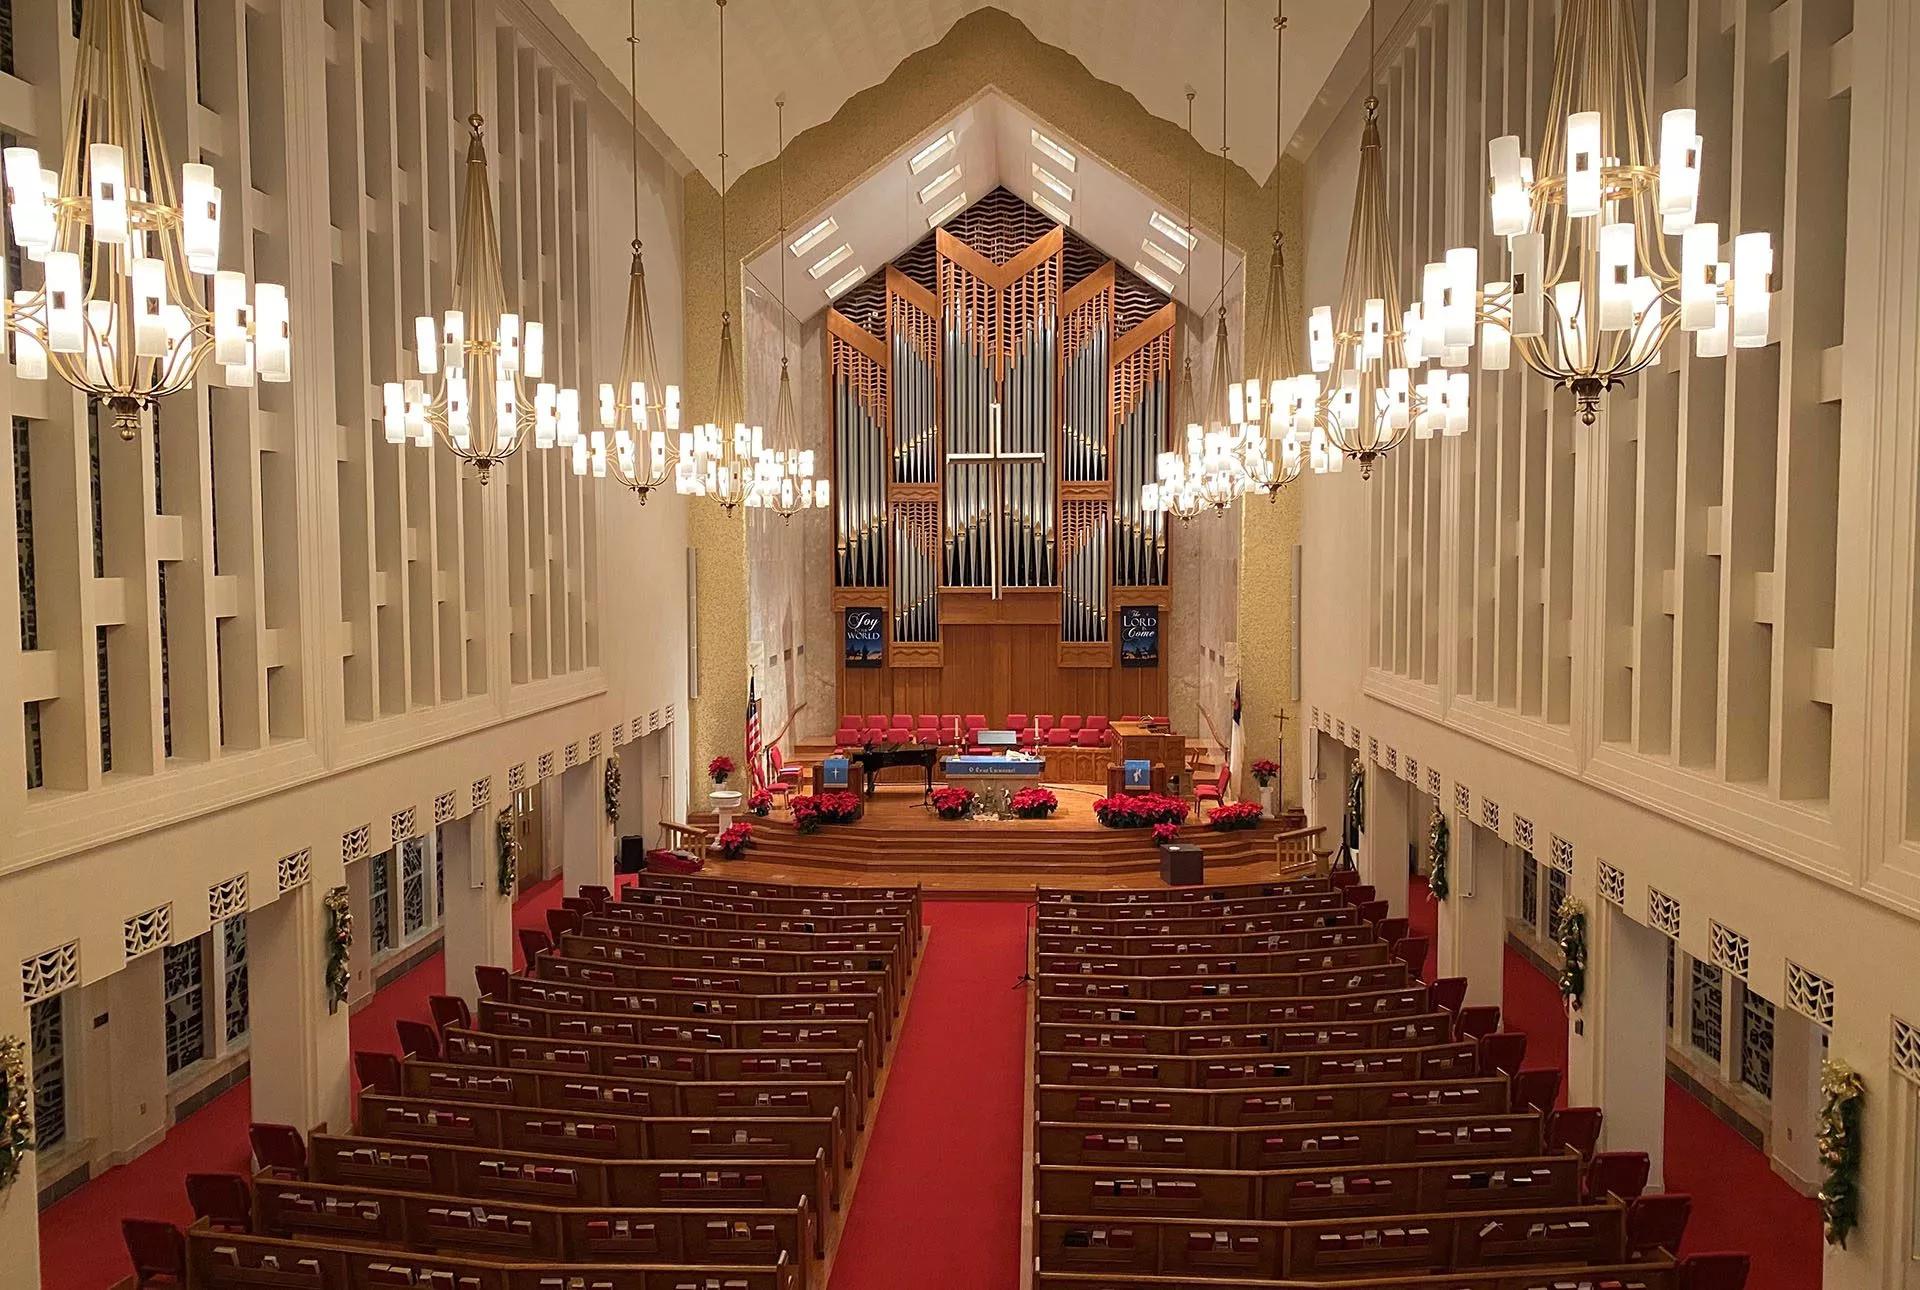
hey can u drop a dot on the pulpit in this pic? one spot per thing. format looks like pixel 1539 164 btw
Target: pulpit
pixel 1118 781
pixel 1135 741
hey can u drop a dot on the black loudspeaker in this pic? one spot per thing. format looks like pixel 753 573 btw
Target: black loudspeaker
pixel 632 855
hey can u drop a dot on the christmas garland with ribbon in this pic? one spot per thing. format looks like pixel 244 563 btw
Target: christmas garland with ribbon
pixel 339 945
pixel 1843 1094
pixel 506 845
pixel 16 1113
pixel 613 788
pixel 1356 804
pixel 1573 953
pixel 1438 841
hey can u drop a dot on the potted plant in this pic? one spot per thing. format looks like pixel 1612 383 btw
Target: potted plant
pixel 1266 772
pixel 720 768
pixel 952 803
pixel 1033 803
pixel 1139 810
pixel 732 842
pixel 1164 833
pixel 760 803
pixel 1234 815
pixel 807 816
pixel 842 806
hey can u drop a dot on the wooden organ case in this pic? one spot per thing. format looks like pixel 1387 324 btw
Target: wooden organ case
pixel 997 396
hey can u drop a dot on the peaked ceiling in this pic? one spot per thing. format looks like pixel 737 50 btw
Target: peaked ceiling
pixel 820 53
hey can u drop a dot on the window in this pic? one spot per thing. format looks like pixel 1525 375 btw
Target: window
pixel 380 901
pixel 46 1023
pixel 1704 1017
pixel 182 980
pixel 1670 958
pixel 1556 893
pixel 439 880
pixel 413 888
pixel 1756 1043
pixel 1530 889
pixel 233 938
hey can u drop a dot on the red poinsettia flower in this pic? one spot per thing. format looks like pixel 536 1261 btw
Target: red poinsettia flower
pixel 1139 810
pixel 1234 815
pixel 1033 803
pixel 1265 770
pixel 951 802
pixel 721 767
pixel 732 842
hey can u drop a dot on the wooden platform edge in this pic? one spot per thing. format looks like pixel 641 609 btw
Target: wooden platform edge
pixel 1029 1156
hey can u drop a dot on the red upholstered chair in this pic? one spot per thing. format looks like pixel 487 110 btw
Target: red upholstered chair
pixel 1099 723
pixel 418 1039
pixel 1019 721
pixel 1502 1052
pixel 1090 737
pixel 1372 911
pixel 279 1149
pixel 1341 879
pixel 1357 893
pixel 1070 723
pixel 1718 1270
pixel 851 721
pixel 562 921
pixel 973 721
pixel 578 904
pixel 1537 1089
pixel 1044 720
pixel 157 1250
pixel 224 1200
pixel 495 982
pixel 377 1072
pixel 1476 1020
pixel 1130 716
pixel 1392 930
pixel 1059 737
pixel 1617 1173
pixel 449 1010
pixel 1215 792
pixel 1448 993
pixel 1411 950
pixel 877 721
pixel 927 726
pixel 533 943
pixel 902 721
pixel 1658 1222
pixel 596 896
pixel 1574 1128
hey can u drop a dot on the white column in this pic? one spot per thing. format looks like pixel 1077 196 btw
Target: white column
pixel 125 1063
pixel 479 925
pixel 1798 1049
pixel 300 1060
pixel 1383 846
pixel 1472 921
pixel 586 839
pixel 1625 1049
pixel 358 878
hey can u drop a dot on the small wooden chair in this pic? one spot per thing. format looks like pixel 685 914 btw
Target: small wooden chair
pixel 597 897
pixel 158 1252
pixel 1617 1173
pixel 225 1201
pixel 418 1039
pixel 1575 1128
pixel 1537 1089
pixel 495 982
pixel 279 1149
pixel 377 1073
pixel 562 921
pixel 1658 1222
pixel 449 1010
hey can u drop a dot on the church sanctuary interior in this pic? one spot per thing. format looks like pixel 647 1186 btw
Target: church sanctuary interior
pixel 960 644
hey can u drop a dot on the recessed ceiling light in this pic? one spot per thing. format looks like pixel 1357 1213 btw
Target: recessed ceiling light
pixel 1051 207
pixel 940 181
pixel 831 258
pixel 853 276
pixel 1147 272
pixel 1060 187
pixel 946 210
pixel 932 152
pixel 1162 254
pixel 1049 148
pixel 1165 226
pixel 814 236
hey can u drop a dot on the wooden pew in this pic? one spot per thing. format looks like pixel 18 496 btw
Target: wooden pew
pixel 1447 1137
pixel 552 967
pixel 1383 976
pixel 532 1233
pixel 1224 966
pixel 503 1018
pixel 1308 1104
pixel 1161 1070
pixel 1154 943
pixel 1235 907
pixel 784 906
pixel 230 1261
pixel 810 892
pixel 1200 925
pixel 870 1008
pixel 1654 1275
pixel 893 947
pixel 747 921
pixel 1047 897
pixel 573 945
pixel 1422 1030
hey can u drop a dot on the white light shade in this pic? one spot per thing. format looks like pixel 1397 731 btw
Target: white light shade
pixel 1752 289
pixel 1346 401
pixel 609 410
pixel 545 420
pixel 147 281
pixel 1459 391
pixel 453 340
pixel 1679 166
pixel 1572 327
pixel 1149 497
pixel 459 405
pixel 1583 164
pixel 200 223
pixel 1646 317
pixel 1413 334
pixel 1699 276
pixel 1253 398
pixel 426 348
pixel 673 407
pixel 1463 288
pixel 1373 329
pixel 272 332
pixel 416 412
pixel 29 355
pixel 1615 287
pixel 107 168
pixel 1509 204
pixel 533 354
pixel 1320 337
pixel 1527 301
pixel 1396 398
pixel 580 455
pixel 1496 344
pixel 568 411
pixel 229 318
pixel 1317 452
pixel 395 417
pixel 1236 405
pixel 509 340
pixel 65 321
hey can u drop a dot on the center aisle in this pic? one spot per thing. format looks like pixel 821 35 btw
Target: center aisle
pixel 938 1202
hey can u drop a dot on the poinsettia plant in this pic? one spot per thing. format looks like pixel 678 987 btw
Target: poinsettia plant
pixel 1138 810
pixel 811 810
pixel 1165 833
pixel 952 802
pixel 732 842
pixel 721 767
pixel 806 812
pixel 1265 771
pixel 1234 815
pixel 760 803
pixel 1033 803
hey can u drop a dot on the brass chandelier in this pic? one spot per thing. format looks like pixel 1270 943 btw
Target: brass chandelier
pixel 480 358
pixel 639 414
pixel 120 314
pixel 1594 291
pixel 1274 459
pixel 783 479
pixel 718 457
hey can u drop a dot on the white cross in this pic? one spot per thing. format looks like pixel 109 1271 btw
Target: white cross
pixel 996 461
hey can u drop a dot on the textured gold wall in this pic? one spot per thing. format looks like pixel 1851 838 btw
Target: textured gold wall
pixel 986 48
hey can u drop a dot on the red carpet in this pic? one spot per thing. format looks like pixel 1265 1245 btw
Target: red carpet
pixel 80 1246
pixel 938 1203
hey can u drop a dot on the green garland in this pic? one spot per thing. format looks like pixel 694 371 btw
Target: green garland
pixel 1844 1092
pixel 1573 953
pixel 506 845
pixel 16 1112
pixel 1356 804
pixel 1437 844
pixel 613 788
pixel 339 945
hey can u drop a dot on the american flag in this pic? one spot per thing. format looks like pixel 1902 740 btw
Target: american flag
pixel 756 763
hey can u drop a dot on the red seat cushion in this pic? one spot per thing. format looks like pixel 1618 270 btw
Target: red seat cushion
pixel 1059 737
pixel 1071 723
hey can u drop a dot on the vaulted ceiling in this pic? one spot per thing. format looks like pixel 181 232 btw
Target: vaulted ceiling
pixel 819 53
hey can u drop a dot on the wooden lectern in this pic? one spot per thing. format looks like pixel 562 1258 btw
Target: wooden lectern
pixel 1134 741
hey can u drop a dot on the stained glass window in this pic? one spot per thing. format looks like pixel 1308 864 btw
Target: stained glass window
pixel 1756 1043
pixel 182 976
pixel 1670 959
pixel 233 937
pixel 47 1025
pixel 1556 892
pixel 1530 889
pixel 1704 1018
pixel 380 901
pixel 413 888
pixel 439 880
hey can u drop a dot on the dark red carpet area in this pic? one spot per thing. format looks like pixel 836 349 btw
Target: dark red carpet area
pixel 938 1203
pixel 80 1246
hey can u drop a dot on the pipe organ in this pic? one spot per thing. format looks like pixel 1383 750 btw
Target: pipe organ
pixel 998 395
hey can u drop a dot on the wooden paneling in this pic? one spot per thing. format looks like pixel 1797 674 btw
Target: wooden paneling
pixel 997 667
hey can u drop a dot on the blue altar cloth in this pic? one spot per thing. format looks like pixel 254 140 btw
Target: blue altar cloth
pixel 962 767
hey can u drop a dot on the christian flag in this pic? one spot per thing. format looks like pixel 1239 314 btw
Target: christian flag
pixel 756 763
pixel 1236 748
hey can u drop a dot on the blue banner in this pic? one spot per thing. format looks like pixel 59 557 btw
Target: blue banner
pixel 834 772
pixel 1139 773
pixel 1140 636
pixel 866 636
